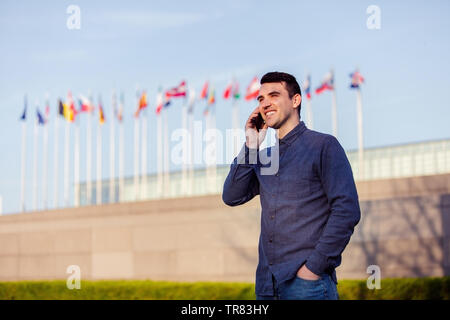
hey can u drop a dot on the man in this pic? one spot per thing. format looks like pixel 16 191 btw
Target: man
pixel 309 206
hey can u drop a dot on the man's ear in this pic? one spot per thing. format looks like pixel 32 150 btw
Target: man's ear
pixel 297 98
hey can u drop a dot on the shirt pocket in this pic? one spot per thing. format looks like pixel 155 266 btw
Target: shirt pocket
pixel 296 187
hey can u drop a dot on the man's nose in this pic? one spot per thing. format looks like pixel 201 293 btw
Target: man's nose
pixel 265 104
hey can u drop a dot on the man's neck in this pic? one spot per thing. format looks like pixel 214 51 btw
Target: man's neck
pixel 287 127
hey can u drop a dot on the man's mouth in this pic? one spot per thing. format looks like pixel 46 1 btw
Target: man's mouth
pixel 269 113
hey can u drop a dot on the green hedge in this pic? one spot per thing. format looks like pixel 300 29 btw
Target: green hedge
pixel 418 288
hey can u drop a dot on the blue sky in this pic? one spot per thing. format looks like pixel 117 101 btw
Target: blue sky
pixel 123 45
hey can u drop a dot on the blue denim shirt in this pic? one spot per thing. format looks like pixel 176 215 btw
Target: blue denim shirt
pixel 309 205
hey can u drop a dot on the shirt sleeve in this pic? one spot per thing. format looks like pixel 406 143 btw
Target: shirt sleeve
pixel 241 184
pixel 338 183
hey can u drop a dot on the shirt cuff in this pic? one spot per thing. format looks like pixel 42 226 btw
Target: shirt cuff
pixel 317 263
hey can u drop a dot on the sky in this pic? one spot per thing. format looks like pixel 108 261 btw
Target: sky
pixel 135 44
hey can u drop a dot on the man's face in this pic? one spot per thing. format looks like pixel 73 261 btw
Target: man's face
pixel 275 105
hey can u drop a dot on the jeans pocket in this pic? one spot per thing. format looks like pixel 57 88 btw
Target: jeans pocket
pixel 303 289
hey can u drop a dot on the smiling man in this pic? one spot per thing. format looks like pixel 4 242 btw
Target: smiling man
pixel 309 206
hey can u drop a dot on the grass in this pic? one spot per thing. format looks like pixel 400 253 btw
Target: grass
pixel 391 289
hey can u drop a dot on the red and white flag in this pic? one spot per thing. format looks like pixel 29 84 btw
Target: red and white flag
pixel 252 89
pixel 179 91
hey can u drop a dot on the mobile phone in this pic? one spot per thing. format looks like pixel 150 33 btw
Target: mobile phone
pixel 258 122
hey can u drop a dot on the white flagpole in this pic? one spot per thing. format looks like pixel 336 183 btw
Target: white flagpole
pixel 24 150
pixel 121 153
pixel 76 165
pixel 35 162
pixel 360 135
pixel 334 112
pixel 45 164
pixel 144 156
pixel 55 161
pixel 190 146
pixel 191 152
pixel 66 164
pixel 235 124
pixel 159 154
pixel 88 152
pixel 309 114
pixel 99 147
pixel 112 151
pixel 166 157
pixel 136 152
pixel 184 185
pixel 214 165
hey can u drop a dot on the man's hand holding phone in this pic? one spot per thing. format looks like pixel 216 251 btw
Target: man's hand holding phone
pixel 255 130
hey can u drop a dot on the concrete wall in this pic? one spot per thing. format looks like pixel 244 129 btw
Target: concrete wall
pixel 405 229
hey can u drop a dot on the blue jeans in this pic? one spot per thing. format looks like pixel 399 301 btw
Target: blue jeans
pixel 300 289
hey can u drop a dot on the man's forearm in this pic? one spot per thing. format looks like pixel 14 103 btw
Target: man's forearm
pixel 241 184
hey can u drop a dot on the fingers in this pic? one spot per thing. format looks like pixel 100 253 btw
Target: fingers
pixel 253 115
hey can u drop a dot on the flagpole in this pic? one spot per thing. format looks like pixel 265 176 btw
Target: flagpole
pixel 112 151
pixel 121 152
pixel 136 151
pixel 89 151
pixel 159 154
pixel 45 161
pixel 360 134
pixel 214 166
pixel 309 115
pixel 185 150
pixel 334 112
pixel 56 162
pixel 166 157
pixel 235 124
pixel 144 156
pixel 24 149
pixel 35 162
pixel 76 171
pixel 99 159
pixel 191 153
pixel 66 164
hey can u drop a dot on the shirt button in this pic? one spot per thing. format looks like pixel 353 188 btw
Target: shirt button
pixel 270 263
pixel 272 217
pixel 270 240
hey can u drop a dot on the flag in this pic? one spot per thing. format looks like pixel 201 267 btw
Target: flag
pixel 191 101
pixel 211 100
pixel 101 114
pixel 204 93
pixel 307 87
pixel 357 80
pixel 69 108
pixel 23 117
pixel 235 92
pixel 161 102
pixel 142 103
pixel 232 90
pixel 327 83
pixel 252 89
pixel 85 104
pixel 211 96
pixel 227 92
pixel 119 112
pixel 179 91
pixel 40 118
pixel 60 108
pixel 47 111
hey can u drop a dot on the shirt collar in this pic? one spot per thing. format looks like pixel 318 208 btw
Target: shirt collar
pixel 293 134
